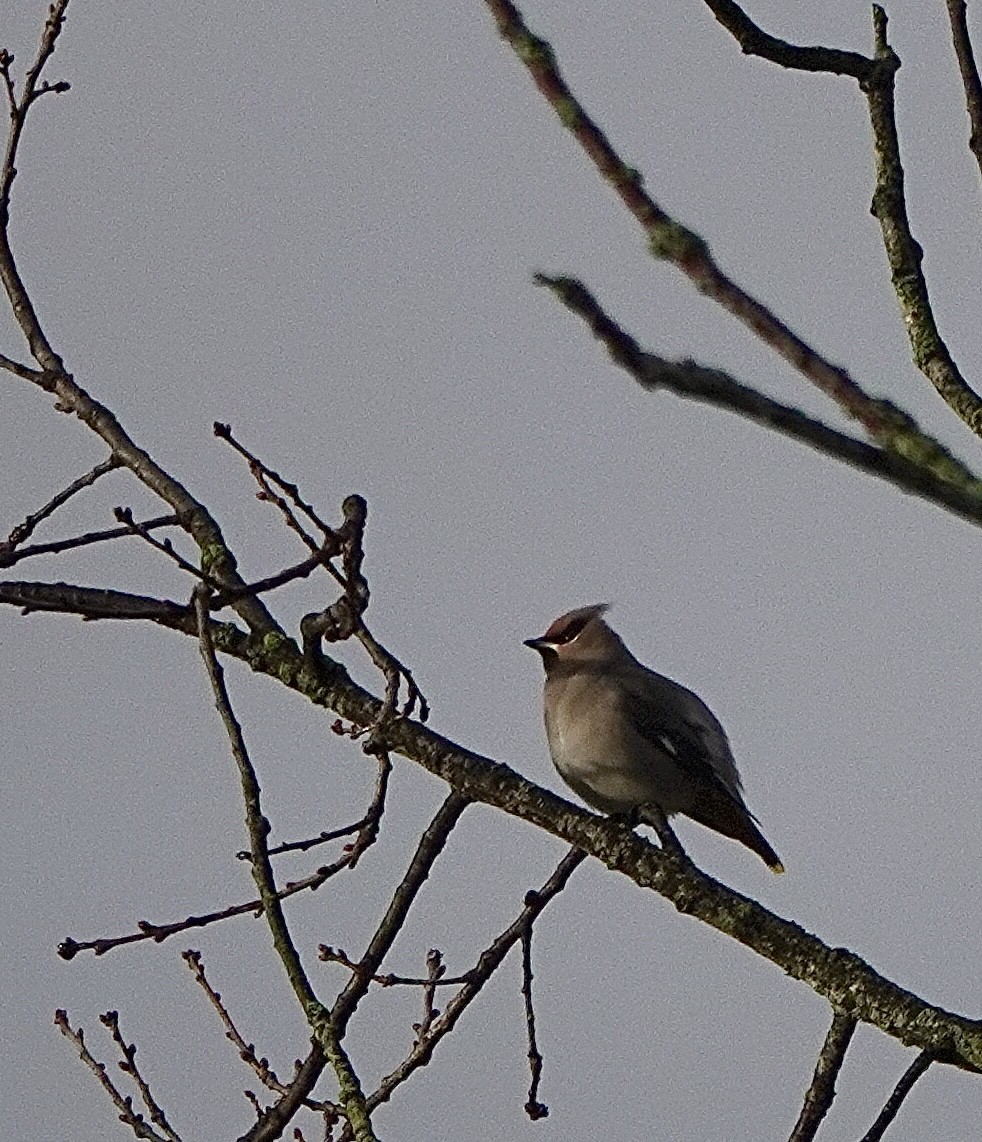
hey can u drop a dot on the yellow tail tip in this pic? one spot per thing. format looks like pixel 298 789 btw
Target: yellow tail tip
pixel 776 867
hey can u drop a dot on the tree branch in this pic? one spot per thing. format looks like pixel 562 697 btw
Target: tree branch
pixel 668 239
pixel 958 16
pixel 819 1096
pixel 903 1088
pixel 840 976
pixel 914 463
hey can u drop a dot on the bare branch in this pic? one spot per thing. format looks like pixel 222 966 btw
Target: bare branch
pixel 25 372
pixel 841 977
pixel 9 557
pixel 266 476
pixel 958 15
pixel 124 1105
pixel 247 1051
pixel 903 1088
pixel 910 459
pixel 129 1067
pixel 754 41
pixel 23 531
pixel 668 239
pixel 877 80
pixel 533 1108
pixel 486 966
pixel 331 955
pixel 819 1096
pixel 256 823
pixel 165 547
pixel 431 844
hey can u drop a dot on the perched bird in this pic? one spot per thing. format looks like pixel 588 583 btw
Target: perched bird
pixel 624 737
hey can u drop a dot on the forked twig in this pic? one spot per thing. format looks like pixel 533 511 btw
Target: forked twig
pixel 123 1103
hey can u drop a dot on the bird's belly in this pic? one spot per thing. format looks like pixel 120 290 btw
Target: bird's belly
pixel 619 784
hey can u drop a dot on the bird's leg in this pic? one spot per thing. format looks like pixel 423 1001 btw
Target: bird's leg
pixel 654 816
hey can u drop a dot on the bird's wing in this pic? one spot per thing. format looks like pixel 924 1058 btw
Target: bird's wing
pixel 679 723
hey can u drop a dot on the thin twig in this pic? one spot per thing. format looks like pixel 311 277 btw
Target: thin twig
pixel 331 955
pixel 910 460
pixel 256 823
pixel 533 1108
pixel 900 1092
pixel 964 53
pixel 124 1105
pixel 128 1066
pixel 247 1051
pixel 327 1034
pixel 165 547
pixel 23 531
pixel 259 468
pixel 431 844
pixel 25 372
pixel 9 557
pixel 819 1096
pixel 488 962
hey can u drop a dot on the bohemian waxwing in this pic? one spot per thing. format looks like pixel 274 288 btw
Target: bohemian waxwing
pixel 622 736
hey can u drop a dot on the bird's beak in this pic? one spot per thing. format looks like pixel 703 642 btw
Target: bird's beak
pixel 539 644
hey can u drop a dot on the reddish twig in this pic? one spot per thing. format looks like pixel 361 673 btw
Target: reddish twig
pixel 128 1066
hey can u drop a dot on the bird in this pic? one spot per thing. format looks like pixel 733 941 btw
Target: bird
pixel 629 740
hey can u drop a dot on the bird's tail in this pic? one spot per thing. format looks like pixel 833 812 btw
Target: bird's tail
pixel 728 816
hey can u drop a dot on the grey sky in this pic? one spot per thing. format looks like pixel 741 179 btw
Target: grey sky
pixel 319 222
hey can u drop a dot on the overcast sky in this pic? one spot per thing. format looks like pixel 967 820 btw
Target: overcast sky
pixel 320 222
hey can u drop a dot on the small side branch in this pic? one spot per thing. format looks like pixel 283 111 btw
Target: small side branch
pixel 123 1103
pixel 819 1096
pixel 256 823
pixel 911 460
pixel 23 531
pixel 247 1051
pixel 903 1088
pixel 533 1108
pixel 9 556
pixel 964 53
pixel 754 41
pixel 128 1066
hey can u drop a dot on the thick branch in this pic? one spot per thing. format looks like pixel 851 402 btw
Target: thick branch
pixel 670 240
pixel 913 462
pixel 840 976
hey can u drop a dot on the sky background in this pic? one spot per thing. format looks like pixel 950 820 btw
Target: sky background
pixel 319 222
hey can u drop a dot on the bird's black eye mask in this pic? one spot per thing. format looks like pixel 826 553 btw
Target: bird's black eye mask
pixel 571 630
